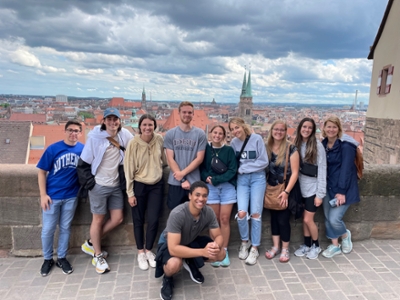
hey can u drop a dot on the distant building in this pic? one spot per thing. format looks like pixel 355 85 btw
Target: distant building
pixel 246 100
pixel 144 105
pixel 382 129
pixel 120 103
pixel 14 141
pixel 61 98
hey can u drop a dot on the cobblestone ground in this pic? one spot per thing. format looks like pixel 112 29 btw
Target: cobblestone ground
pixel 370 271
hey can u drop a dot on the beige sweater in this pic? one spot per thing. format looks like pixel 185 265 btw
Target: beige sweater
pixel 144 162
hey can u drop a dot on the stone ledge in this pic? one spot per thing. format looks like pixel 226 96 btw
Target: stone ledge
pixel 376 216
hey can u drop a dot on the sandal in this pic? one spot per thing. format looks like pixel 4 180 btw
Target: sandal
pixel 284 258
pixel 270 254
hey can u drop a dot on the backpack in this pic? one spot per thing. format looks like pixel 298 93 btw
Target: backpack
pixel 359 162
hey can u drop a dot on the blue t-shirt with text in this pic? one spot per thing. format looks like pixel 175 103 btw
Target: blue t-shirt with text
pixel 60 161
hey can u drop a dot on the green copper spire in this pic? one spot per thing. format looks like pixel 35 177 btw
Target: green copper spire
pixel 248 88
pixel 243 94
pixel 144 92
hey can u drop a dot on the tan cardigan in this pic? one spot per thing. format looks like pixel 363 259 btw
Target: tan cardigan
pixel 144 162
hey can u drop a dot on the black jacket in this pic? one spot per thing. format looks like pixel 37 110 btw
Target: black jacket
pixel 87 180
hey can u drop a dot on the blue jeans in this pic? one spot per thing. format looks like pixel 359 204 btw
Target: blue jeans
pixel 61 212
pixel 334 225
pixel 250 192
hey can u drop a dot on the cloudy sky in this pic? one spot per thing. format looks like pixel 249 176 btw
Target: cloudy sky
pixel 303 51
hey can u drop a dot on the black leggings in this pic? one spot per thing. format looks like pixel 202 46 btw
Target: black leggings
pixel 148 197
pixel 280 224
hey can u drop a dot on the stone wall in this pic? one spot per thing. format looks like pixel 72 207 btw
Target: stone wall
pixel 382 141
pixel 377 216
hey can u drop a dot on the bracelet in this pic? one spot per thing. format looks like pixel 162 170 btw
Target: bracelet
pixel 286 192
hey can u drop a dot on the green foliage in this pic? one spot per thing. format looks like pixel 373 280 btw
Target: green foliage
pixel 5 105
pixel 85 114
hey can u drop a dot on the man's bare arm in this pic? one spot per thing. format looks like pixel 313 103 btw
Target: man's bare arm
pixel 191 167
pixel 177 250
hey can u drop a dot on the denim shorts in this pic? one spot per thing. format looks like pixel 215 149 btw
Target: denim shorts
pixel 105 198
pixel 224 193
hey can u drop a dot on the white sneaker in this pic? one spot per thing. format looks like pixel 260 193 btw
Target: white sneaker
pixel 150 258
pixel 313 252
pixel 303 250
pixel 252 258
pixel 100 263
pixel 142 261
pixel 244 250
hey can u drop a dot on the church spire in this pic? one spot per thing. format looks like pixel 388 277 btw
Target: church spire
pixel 248 87
pixel 244 84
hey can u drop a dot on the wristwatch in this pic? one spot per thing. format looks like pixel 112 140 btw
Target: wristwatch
pixel 183 180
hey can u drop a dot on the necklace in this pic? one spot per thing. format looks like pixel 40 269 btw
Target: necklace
pixel 215 152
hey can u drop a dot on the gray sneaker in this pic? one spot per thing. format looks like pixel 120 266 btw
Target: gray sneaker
pixel 244 250
pixel 347 245
pixel 303 250
pixel 313 252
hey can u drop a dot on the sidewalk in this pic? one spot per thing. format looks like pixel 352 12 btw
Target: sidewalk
pixel 370 271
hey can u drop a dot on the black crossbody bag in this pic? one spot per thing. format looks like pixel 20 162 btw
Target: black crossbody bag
pixel 309 170
pixel 217 165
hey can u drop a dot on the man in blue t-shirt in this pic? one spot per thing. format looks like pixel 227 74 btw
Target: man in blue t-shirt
pixel 58 185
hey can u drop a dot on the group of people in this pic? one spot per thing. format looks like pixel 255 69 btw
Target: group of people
pixel 206 179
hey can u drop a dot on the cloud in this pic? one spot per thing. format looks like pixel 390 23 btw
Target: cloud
pixel 298 49
pixel 53 69
pixel 88 71
pixel 24 58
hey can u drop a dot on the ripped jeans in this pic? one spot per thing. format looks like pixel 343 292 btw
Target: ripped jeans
pixel 250 193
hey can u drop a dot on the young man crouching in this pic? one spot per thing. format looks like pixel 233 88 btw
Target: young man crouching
pixel 181 244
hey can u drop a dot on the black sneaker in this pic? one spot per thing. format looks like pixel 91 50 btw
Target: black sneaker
pixel 46 267
pixel 64 265
pixel 194 272
pixel 167 288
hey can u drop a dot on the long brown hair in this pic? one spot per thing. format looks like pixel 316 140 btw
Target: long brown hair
pixel 311 144
pixel 282 147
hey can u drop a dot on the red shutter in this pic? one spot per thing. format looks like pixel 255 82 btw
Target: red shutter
pixel 389 79
pixel 378 88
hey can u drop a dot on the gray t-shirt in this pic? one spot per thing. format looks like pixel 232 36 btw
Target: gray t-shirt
pixel 181 221
pixel 185 146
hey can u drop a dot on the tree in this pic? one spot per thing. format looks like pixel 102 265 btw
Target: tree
pixel 85 115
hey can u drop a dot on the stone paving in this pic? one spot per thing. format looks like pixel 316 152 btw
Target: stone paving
pixel 370 271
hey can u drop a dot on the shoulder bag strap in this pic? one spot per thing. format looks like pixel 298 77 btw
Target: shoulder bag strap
pixel 213 150
pixel 115 143
pixel 244 145
pixel 286 163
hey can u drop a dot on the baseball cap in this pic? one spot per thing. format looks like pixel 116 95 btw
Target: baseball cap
pixel 111 111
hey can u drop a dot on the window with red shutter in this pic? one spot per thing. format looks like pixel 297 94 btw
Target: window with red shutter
pixel 389 79
pixel 378 88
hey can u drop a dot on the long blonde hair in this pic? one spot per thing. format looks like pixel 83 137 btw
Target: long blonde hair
pixel 282 147
pixel 240 122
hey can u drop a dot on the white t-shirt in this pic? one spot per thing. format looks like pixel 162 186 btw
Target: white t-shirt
pixel 107 173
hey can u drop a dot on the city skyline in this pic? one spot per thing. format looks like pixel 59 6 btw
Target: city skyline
pixel 298 51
